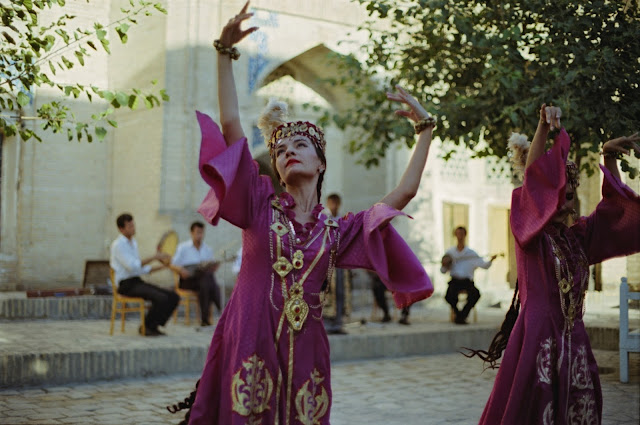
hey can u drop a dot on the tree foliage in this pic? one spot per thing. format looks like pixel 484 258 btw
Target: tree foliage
pixel 485 67
pixel 33 52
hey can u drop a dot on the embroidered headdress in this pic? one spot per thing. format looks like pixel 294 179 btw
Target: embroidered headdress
pixel 275 127
pixel 518 152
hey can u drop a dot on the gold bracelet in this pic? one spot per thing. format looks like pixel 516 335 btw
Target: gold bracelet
pixel 224 50
pixel 423 124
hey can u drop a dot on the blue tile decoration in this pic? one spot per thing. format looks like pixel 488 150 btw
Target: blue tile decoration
pixel 258 61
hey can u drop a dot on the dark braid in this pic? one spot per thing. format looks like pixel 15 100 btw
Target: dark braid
pixel 186 404
pixel 319 187
pixel 500 341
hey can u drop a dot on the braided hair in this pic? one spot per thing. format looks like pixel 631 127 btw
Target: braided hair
pixel 501 339
pixel 186 404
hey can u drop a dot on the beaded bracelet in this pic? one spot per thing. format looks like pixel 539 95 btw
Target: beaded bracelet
pixel 612 155
pixel 423 124
pixel 224 50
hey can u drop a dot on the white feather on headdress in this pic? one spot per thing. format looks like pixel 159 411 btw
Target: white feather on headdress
pixel 274 115
pixel 519 150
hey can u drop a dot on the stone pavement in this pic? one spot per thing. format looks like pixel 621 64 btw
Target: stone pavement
pixel 438 389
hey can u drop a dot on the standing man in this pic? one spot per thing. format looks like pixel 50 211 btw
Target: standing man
pixel 339 281
pixel 461 261
pixel 128 267
pixel 195 264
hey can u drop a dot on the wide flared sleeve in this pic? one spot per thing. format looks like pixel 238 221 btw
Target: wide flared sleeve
pixel 236 187
pixel 368 241
pixel 613 229
pixel 542 192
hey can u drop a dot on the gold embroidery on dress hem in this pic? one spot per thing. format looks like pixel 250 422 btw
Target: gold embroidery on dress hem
pixel 312 400
pixel 251 388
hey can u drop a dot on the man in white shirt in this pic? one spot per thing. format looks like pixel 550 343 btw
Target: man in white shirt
pixel 461 261
pixel 128 267
pixel 195 264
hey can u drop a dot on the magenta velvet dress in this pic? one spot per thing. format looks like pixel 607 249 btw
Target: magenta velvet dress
pixel 548 374
pixel 260 369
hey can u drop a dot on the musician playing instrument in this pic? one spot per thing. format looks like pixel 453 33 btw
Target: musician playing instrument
pixel 461 261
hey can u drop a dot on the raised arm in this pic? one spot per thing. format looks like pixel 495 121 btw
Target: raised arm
pixel 399 197
pixel 227 95
pixel 549 118
pixel 615 147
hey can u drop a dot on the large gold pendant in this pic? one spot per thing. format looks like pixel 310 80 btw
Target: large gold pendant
pixel 282 266
pixel 295 308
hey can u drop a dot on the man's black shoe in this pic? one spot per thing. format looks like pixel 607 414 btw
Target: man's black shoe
pixel 150 332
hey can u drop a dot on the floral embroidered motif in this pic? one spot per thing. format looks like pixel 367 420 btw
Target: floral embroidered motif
pixel 547 416
pixel 251 388
pixel 544 361
pixel 312 403
pixel 583 411
pixel 580 375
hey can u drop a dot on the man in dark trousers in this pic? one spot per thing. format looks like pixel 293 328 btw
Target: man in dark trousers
pixel 195 264
pixel 128 267
pixel 380 297
pixel 461 261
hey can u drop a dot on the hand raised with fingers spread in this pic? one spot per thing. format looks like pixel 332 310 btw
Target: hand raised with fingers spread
pixel 623 145
pixel 416 112
pixel 551 115
pixel 232 33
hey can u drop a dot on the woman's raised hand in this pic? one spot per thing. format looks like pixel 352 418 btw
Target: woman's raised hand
pixel 416 112
pixel 232 33
pixel 623 145
pixel 550 115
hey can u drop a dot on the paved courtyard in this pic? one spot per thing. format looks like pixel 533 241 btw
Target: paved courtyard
pixel 439 389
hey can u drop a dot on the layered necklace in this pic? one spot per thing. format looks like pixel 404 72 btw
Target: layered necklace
pixel 570 302
pixel 296 309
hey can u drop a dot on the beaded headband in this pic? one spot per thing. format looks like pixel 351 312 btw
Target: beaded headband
pixel 573 174
pixel 302 128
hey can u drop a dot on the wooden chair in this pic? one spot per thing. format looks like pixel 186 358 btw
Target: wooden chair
pixel 629 339
pixel 187 297
pixel 452 315
pixel 120 302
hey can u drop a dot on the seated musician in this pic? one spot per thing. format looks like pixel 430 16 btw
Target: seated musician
pixel 195 264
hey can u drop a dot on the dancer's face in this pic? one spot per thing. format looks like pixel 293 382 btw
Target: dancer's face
pixel 297 160
pixel 568 207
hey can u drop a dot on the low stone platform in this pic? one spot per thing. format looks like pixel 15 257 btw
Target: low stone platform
pixel 57 352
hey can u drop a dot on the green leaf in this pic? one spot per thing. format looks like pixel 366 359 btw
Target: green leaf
pixel 164 95
pixel 67 63
pixel 148 103
pixel 107 95
pixel 53 68
pixel 122 99
pixel 101 34
pixel 23 99
pixel 105 45
pixel 8 37
pixel 133 102
pixel 92 45
pixel 80 57
pixel 101 132
pixel 159 7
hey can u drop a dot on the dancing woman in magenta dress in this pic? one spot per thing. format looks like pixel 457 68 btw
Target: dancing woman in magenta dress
pixel 268 362
pixel 548 374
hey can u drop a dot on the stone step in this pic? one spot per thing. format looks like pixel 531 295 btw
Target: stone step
pixel 47 352
pixel 19 307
